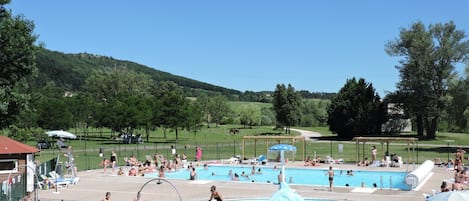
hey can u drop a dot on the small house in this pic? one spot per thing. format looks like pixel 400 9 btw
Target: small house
pixel 17 159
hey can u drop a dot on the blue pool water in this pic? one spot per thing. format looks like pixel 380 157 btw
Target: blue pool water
pixel 302 176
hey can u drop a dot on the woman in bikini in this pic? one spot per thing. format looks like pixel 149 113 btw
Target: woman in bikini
pixel 215 194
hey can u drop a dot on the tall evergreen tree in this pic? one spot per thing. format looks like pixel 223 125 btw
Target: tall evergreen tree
pixel 287 106
pixel 356 110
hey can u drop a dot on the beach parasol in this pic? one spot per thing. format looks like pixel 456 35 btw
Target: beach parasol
pixel 450 196
pixel 282 148
pixel 61 134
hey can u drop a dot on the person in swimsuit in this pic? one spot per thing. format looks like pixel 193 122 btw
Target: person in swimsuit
pixel 193 175
pixel 113 161
pixel 374 153
pixel 107 197
pixel 280 177
pixel 330 173
pixel 215 194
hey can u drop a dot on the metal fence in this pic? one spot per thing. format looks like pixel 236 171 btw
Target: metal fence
pixel 14 188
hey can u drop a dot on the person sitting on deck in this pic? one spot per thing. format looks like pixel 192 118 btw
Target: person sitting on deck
pixel 445 187
pixel 308 161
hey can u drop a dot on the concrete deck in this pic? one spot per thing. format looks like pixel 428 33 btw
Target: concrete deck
pixel 94 184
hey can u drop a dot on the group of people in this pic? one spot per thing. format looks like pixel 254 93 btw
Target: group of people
pixel 460 176
pixel 313 161
pixel 236 176
pixel 151 164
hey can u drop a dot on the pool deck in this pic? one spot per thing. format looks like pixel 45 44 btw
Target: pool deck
pixel 94 184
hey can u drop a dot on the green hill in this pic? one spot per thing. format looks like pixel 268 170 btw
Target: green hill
pixel 70 71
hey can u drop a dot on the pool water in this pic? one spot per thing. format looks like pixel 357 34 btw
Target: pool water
pixel 302 176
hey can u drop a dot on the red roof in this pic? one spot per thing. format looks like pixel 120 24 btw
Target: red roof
pixel 9 146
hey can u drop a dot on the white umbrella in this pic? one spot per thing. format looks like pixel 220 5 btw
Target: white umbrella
pixel 451 196
pixel 61 133
pixel 282 148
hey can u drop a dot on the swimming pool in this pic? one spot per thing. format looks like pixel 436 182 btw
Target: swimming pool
pixel 302 176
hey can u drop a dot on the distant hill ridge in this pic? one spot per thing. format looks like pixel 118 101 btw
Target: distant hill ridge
pixel 70 71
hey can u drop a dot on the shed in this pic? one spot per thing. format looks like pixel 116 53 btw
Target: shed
pixel 15 158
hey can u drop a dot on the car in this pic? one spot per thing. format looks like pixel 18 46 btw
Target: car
pixel 43 144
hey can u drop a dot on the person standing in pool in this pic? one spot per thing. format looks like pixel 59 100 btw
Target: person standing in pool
pixel 330 173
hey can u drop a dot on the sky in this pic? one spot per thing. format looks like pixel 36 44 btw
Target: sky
pixel 253 45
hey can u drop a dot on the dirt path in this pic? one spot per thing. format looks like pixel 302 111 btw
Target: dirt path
pixel 309 135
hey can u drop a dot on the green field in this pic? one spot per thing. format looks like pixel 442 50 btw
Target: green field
pixel 217 144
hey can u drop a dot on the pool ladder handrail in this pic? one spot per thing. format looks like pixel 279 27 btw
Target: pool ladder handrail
pixel 158 182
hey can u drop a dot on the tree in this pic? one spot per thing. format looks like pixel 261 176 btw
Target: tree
pixel 218 108
pixel 267 116
pixel 314 113
pixel 54 114
pixel 287 106
pixel 173 106
pixel 17 55
pixel 204 104
pixel 356 110
pixel 429 56
pixel 458 91
pixel 250 114
pixel 118 82
pixel 193 117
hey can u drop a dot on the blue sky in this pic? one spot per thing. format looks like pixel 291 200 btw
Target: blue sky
pixel 243 44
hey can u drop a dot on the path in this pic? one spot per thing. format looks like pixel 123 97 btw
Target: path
pixel 309 135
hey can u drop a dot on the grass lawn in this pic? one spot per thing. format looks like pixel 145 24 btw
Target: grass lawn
pixel 217 143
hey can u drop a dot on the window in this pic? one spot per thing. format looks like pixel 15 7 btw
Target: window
pixel 9 166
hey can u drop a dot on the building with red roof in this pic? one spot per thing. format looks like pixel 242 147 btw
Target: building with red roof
pixel 17 159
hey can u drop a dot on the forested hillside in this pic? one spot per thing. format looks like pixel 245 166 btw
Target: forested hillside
pixel 69 71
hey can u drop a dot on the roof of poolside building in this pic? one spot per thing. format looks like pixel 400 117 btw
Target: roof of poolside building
pixel 10 146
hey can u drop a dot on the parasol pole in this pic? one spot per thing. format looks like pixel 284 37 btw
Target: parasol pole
pixel 282 158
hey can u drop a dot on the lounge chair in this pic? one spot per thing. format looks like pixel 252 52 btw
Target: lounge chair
pixel 331 160
pixel 261 160
pixel 62 182
pixel 232 160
